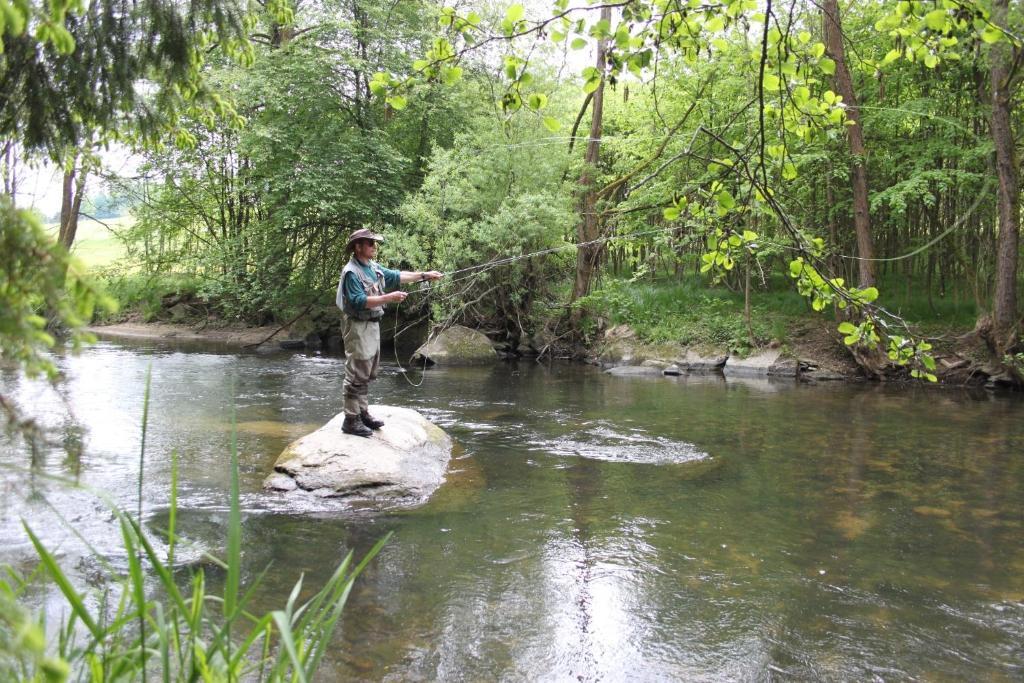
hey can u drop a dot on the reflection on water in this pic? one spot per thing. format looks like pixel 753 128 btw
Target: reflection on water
pixel 593 527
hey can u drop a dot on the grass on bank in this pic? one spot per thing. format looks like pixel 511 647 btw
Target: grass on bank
pixel 95 242
pixel 175 630
pixel 691 312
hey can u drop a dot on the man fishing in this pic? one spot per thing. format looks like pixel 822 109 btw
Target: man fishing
pixel 363 290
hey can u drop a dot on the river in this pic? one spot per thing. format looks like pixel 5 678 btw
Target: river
pixel 592 528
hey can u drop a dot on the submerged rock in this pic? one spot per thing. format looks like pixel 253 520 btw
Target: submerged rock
pixel 403 461
pixel 457 345
pixel 634 370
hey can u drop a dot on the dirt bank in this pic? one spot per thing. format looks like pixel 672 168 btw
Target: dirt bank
pixel 229 334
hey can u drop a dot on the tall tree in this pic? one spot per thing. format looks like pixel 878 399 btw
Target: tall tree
pixel 1003 77
pixel 833 30
pixel 589 228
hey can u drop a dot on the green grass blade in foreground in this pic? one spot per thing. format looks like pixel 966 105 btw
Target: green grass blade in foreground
pixel 259 630
pixel 288 642
pixel 224 631
pixel 74 599
pixel 138 587
pixel 134 552
pixel 327 629
pixel 234 549
pixel 172 514
pixel 162 570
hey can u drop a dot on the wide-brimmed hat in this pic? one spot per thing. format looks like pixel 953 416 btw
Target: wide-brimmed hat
pixel 362 234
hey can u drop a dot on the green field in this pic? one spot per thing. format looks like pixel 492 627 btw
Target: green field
pixel 95 243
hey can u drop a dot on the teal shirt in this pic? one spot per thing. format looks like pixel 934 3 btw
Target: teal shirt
pixel 353 288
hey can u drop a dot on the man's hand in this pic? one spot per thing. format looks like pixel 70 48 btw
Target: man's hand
pixel 432 275
pixel 395 297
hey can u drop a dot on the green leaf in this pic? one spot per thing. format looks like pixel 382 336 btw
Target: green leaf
pixel 726 200
pixel 451 75
pixel 622 37
pixel 537 100
pixel 991 35
pixel 578 43
pixel 514 13
pixel 552 124
pixel 827 66
pixel 397 102
pixel 789 171
pixel 847 328
pixel 868 294
pixel 714 24
pixel 936 19
pixel 602 29
pixel 670 213
pixel 378 86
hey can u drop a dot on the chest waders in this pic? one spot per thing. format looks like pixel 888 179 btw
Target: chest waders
pixel 360 330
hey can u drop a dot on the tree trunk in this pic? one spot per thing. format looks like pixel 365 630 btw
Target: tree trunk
pixel 1008 198
pixel 589 228
pixel 10 170
pixel 833 31
pixel 71 204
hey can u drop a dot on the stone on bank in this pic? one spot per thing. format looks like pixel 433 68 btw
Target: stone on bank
pixel 403 461
pixel 457 345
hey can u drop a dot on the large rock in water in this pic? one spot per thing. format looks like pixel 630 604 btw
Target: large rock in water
pixel 457 345
pixel 404 461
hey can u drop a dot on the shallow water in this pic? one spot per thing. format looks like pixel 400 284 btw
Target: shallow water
pixel 593 527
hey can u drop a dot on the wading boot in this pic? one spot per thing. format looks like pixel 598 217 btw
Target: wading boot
pixel 369 420
pixel 353 425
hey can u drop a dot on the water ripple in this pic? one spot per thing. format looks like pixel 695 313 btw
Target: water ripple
pixel 599 441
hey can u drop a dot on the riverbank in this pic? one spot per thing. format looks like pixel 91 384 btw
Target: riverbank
pixel 812 351
pixel 229 334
